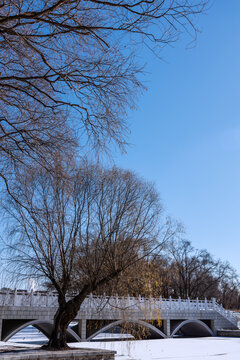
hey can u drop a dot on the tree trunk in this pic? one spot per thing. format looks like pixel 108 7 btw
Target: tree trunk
pixel 64 315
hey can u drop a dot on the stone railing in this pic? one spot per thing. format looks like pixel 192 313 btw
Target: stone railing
pixel 106 303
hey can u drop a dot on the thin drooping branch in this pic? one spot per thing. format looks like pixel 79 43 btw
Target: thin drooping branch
pixel 68 70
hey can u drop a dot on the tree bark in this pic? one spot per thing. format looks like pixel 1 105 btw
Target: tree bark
pixel 66 313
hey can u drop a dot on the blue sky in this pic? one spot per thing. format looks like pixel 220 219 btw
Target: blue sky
pixel 186 132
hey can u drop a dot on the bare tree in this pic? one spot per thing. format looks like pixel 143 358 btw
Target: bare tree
pixel 229 286
pixel 189 272
pixel 81 228
pixel 180 270
pixel 192 271
pixel 69 64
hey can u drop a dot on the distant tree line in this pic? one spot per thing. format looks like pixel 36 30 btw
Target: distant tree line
pixel 181 271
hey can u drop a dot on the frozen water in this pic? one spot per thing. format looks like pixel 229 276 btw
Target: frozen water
pixel 175 349
pixel 29 335
pixel 210 348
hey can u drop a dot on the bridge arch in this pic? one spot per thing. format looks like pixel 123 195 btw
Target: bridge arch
pixel 194 328
pixel 45 326
pixel 119 322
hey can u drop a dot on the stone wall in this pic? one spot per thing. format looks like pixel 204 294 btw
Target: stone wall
pixel 81 354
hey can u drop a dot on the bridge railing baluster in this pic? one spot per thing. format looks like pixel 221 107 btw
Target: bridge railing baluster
pixel 206 304
pixel 5 298
pixel 22 299
pixel 51 299
pixel 36 299
pixel 39 299
pixel 31 298
pixel 15 298
pixel 213 303
pixel 179 303
pixel 47 300
pixel 166 304
pixel 1 298
pixel 19 298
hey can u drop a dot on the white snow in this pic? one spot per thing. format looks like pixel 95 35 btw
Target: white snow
pixel 190 349
pixel 210 348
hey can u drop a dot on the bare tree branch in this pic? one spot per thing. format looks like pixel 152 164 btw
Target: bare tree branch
pixel 68 67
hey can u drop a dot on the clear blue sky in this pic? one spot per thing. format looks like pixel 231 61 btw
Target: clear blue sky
pixel 186 132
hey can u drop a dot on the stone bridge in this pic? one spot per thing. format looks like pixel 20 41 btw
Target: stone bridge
pixel 162 318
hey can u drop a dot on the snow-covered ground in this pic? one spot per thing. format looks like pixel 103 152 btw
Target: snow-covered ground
pixel 210 348
pixel 174 349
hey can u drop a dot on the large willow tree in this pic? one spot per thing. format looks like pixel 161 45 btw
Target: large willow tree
pixel 81 228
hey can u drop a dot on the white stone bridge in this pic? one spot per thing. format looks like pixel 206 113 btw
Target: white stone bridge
pixel 162 318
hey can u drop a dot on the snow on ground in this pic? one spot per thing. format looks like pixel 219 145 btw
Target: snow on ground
pixel 175 349
pixel 211 348
pixel 7 344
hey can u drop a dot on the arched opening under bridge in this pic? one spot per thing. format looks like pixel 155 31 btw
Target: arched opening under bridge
pixel 12 327
pixel 131 327
pixel 192 328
